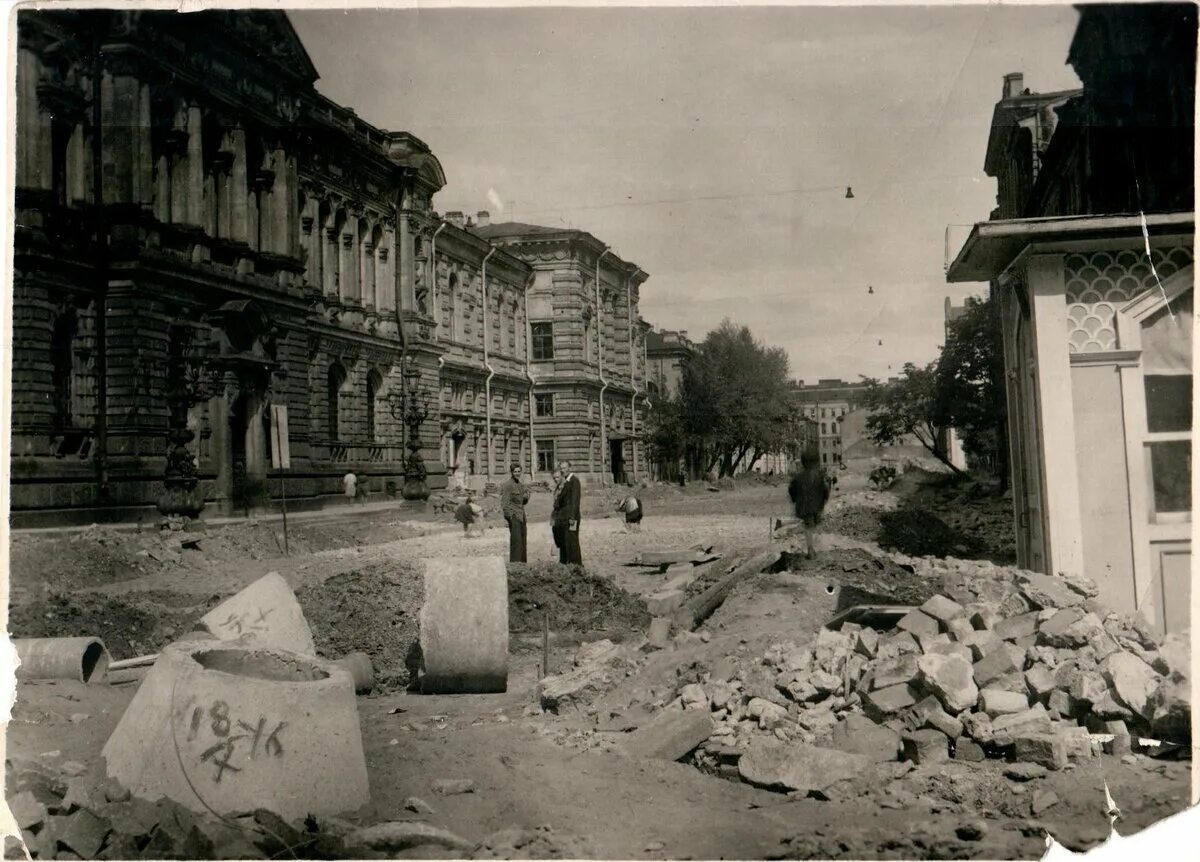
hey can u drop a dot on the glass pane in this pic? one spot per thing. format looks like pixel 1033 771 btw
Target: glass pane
pixel 1167 337
pixel 1168 402
pixel 1171 473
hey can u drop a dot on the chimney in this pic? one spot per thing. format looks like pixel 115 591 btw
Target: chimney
pixel 1013 84
pixel 483 218
pixel 455 218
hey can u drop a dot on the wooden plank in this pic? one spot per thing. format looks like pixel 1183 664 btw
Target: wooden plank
pixel 701 607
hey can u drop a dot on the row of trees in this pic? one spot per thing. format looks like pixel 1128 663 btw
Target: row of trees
pixel 733 408
pixel 963 389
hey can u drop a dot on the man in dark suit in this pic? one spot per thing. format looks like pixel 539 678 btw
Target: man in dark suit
pixel 565 516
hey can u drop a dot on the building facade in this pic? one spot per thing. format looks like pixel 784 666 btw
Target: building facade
pixel 667 355
pixel 230 242
pixel 825 403
pixel 1092 257
pixel 588 350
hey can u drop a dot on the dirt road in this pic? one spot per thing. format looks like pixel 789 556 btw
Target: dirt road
pixel 533 769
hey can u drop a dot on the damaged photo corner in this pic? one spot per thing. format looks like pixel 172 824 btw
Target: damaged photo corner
pixel 764 427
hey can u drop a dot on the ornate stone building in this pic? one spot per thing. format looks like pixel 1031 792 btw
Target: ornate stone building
pixel 232 240
pixel 667 354
pixel 587 348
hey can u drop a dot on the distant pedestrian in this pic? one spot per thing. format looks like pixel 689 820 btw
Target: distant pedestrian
pixel 350 485
pixel 632 507
pixel 514 494
pixel 809 492
pixel 468 514
pixel 566 516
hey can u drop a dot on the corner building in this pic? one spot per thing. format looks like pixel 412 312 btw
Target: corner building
pixel 587 349
pixel 191 213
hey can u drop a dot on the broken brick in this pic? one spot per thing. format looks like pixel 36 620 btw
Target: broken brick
pixel 993 665
pixel 960 629
pixel 899 670
pixel 995 702
pixel 950 678
pixel 926 746
pixel 84 833
pixel 1012 628
pixel 916 621
pixel 943 609
pixel 970 752
pixel 1045 749
pixel 884 703
pixel 1039 681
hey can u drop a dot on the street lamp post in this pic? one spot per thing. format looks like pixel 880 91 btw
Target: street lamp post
pixel 411 406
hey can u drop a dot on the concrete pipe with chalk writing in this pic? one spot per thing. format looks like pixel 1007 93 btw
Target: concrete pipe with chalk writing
pixel 464 626
pixel 226 727
pixel 265 614
pixel 81 659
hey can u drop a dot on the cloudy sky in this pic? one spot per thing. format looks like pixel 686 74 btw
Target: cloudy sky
pixel 713 147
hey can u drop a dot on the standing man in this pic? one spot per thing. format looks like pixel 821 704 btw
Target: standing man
pixel 566 516
pixel 513 497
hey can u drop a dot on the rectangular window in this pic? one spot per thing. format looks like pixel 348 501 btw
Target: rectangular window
pixel 544 404
pixel 543 340
pixel 545 456
pixel 1168 443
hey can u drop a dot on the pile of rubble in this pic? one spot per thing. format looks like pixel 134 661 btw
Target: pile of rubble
pixel 1002 663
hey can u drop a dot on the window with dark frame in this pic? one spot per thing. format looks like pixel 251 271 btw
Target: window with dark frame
pixel 545 456
pixel 543 340
pixel 543 403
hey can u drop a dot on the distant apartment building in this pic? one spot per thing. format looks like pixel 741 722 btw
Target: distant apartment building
pixel 667 354
pixel 587 367
pixel 826 402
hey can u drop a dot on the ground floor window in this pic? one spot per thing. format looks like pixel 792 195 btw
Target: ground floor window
pixel 1167 366
pixel 545 456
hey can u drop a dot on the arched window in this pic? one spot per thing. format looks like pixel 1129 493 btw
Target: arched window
pixel 337 379
pixel 374 384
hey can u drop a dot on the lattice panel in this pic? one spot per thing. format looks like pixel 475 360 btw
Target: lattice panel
pixel 1100 282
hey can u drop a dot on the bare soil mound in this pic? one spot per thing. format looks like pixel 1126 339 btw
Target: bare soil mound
pixel 374 610
pixel 862 578
pixel 134 624
pixel 574 599
pixel 923 534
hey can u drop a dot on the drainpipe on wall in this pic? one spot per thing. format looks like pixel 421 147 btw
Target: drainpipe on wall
pixel 600 364
pixel 529 374
pixel 632 371
pixel 487 386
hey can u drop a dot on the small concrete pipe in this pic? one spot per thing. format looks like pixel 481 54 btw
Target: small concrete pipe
pixel 80 659
pixel 358 665
pixel 464 626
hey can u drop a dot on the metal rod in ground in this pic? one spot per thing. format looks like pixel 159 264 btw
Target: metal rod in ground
pixel 545 644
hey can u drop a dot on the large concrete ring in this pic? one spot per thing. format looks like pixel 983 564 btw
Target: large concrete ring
pixel 228 728
pixel 464 626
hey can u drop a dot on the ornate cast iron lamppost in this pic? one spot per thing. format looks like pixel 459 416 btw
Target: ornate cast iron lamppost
pixel 191 380
pixel 411 406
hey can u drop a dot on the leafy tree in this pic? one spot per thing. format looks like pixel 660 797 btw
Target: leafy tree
pixel 970 384
pixel 908 407
pixel 732 408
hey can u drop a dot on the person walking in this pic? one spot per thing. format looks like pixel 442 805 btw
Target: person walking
pixel 514 494
pixel 809 492
pixel 566 516
pixel 468 514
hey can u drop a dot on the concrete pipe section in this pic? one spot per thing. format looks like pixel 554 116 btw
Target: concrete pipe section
pixel 264 614
pixel 80 659
pixel 464 626
pixel 230 728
